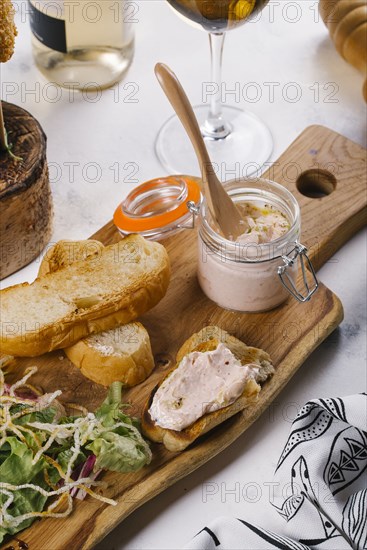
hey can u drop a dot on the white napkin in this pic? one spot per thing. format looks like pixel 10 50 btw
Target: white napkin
pixel 323 467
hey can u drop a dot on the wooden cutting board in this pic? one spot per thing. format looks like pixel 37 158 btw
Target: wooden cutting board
pixel 321 163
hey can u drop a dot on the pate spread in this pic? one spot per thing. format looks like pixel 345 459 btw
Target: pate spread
pixel 203 382
pixel 243 275
pixel 263 225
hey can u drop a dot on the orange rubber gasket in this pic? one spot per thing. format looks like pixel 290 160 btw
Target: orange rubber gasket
pixel 137 225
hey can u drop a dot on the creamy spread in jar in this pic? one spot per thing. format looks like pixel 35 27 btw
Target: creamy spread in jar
pixel 203 382
pixel 263 225
pixel 242 275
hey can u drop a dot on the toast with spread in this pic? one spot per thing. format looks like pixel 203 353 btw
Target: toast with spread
pixel 211 345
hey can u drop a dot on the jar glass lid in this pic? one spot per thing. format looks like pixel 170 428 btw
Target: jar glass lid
pixel 158 205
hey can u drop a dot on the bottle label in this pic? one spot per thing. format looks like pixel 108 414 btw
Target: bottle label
pixel 48 28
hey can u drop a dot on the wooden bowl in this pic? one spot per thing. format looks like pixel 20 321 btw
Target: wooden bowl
pixel 25 195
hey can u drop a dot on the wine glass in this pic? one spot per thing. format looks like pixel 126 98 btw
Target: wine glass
pixel 233 137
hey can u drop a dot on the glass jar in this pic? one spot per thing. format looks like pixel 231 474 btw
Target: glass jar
pixel 83 45
pixel 248 277
pixel 236 276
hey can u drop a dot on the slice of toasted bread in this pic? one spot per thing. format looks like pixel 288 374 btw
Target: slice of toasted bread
pixel 123 353
pixel 65 252
pixel 206 340
pixel 98 293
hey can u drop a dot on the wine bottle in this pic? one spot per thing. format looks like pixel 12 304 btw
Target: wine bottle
pixel 80 44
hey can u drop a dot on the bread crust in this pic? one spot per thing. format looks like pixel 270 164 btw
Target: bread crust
pixel 206 340
pixel 114 310
pixel 130 368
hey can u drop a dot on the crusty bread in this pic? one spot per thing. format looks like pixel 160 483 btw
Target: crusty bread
pixel 8 30
pixel 347 24
pixel 123 354
pixel 206 340
pixel 65 252
pixel 99 293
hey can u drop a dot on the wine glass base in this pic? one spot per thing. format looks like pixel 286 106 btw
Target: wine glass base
pixel 242 153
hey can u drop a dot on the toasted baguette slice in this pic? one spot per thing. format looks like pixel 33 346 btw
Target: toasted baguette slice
pixel 65 252
pixel 207 340
pixel 123 353
pixel 88 296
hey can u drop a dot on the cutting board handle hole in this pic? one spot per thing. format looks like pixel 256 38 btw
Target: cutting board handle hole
pixel 316 183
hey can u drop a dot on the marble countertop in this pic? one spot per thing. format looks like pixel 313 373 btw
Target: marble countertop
pixel 287 46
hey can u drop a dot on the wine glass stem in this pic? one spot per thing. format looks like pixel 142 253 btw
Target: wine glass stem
pixel 214 126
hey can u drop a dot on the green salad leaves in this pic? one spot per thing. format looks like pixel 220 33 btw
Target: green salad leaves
pixel 47 457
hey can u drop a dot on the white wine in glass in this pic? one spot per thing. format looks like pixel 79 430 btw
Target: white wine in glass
pixel 233 136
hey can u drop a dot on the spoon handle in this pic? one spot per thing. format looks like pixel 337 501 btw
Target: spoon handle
pixel 182 106
pixel 222 208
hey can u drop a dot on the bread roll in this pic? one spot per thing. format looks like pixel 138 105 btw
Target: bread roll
pixel 355 48
pixel 347 24
pixel 340 10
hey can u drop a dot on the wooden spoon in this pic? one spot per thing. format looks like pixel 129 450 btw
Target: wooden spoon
pixel 220 204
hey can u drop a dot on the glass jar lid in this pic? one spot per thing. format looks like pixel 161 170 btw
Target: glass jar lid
pixel 158 206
